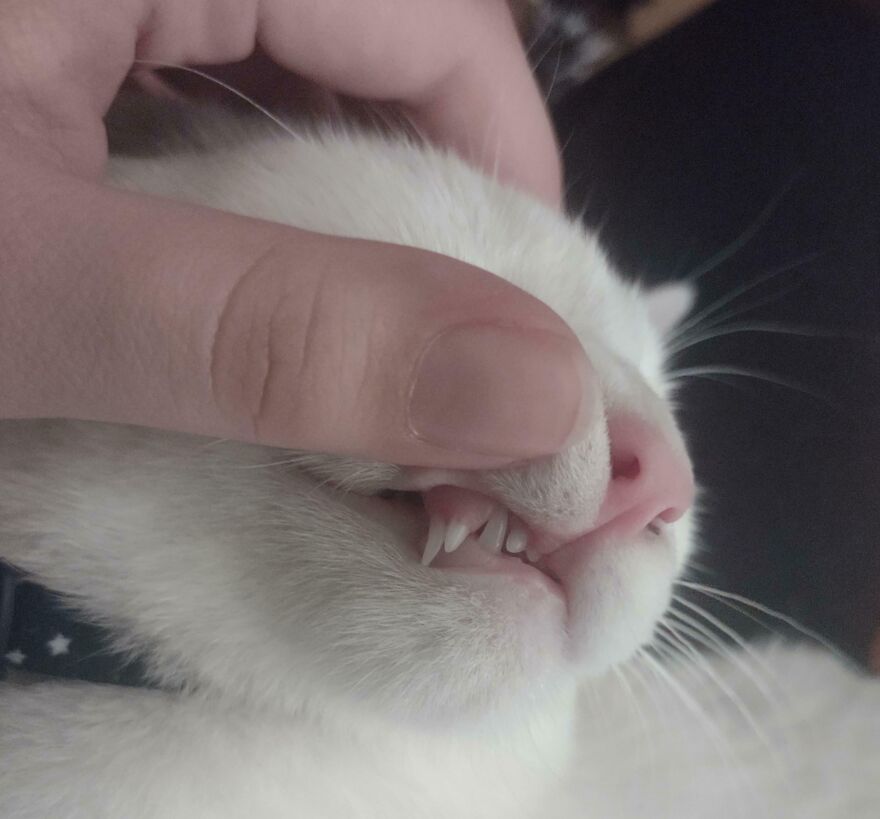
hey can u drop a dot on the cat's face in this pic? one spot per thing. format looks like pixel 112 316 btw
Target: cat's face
pixel 478 631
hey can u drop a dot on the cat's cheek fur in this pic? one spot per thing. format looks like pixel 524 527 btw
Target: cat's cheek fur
pixel 442 651
pixel 491 674
pixel 615 599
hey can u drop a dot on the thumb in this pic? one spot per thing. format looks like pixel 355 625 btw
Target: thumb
pixel 119 307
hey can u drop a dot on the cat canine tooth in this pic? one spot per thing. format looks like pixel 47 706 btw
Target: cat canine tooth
pixel 456 532
pixel 436 535
pixel 532 555
pixel 516 541
pixel 495 529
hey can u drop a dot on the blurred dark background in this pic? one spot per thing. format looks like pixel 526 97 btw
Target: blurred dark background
pixel 742 150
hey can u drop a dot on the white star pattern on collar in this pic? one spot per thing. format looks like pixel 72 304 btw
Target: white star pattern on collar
pixel 59 644
pixel 15 657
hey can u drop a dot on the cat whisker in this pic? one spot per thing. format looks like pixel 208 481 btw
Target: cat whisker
pixel 684 336
pixel 662 715
pixel 709 619
pixel 741 604
pixel 552 84
pixel 394 119
pixel 730 296
pixel 761 676
pixel 696 666
pixel 529 47
pixel 544 54
pixel 226 86
pixel 267 464
pixel 701 632
pixel 712 731
pixel 563 146
pixel 731 249
pixel 772 328
pixel 633 701
pixel 675 642
pixel 215 442
pixel 484 153
pixel 686 626
pixel 712 373
pixel 410 123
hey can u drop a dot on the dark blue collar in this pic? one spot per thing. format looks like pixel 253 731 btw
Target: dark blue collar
pixel 41 634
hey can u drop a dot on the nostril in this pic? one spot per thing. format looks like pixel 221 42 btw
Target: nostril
pixel 624 467
pixel 651 478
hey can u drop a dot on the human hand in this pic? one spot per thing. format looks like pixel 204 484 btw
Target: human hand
pixel 122 308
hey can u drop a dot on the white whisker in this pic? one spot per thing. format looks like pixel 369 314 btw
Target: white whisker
pixel 662 715
pixel 553 78
pixel 232 90
pixel 712 731
pixel 694 320
pixel 727 369
pixel 772 328
pixel 537 63
pixel 731 249
pixel 730 600
pixel 700 632
pixel 698 661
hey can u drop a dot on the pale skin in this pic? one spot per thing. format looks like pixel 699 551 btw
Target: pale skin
pixel 123 308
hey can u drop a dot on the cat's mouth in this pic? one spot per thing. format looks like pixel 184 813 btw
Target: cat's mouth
pixel 467 530
pixel 447 522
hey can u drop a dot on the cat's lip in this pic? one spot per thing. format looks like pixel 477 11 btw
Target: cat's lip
pixel 566 561
pixel 410 514
pixel 553 566
pixel 407 518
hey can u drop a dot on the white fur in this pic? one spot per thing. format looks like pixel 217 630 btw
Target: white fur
pixel 312 667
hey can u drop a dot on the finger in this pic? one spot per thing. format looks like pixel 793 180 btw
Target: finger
pixel 167 315
pixel 457 65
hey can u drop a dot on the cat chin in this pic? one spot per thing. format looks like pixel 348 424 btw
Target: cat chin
pixel 612 599
pixel 509 659
pixel 508 651
pixel 518 635
pixel 616 598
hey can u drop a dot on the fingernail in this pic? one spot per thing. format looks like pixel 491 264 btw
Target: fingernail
pixel 502 391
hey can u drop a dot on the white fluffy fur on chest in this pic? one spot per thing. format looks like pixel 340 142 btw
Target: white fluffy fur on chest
pixel 162 756
pixel 683 749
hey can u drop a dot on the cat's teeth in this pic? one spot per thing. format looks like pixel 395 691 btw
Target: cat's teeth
pixel 516 541
pixel 436 535
pixel 532 555
pixel 456 532
pixel 495 529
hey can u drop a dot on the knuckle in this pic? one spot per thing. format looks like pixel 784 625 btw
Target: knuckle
pixel 263 360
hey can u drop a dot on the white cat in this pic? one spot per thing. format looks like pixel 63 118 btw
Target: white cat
pixel 318 658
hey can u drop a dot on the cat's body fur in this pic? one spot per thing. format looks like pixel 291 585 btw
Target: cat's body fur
pixel 312 667
pixel 638 752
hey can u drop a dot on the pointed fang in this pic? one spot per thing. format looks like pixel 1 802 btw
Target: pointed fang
pixel 495 530
pixel 456 532
pixel 436 535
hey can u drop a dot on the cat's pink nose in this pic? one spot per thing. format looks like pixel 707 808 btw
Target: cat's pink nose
pixel 651 477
